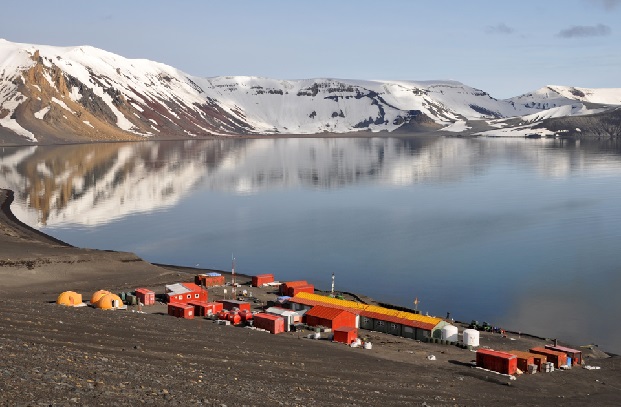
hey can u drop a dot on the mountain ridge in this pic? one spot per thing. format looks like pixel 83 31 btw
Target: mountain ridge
pixel 76 94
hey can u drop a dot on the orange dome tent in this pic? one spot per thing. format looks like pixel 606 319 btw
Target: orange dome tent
pixel 109 301
pixel 97 296
pixel 69 298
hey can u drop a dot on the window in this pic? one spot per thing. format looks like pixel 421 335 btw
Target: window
pixel 189 296
pixel 393 326
pixel 196 295
pixel 380 323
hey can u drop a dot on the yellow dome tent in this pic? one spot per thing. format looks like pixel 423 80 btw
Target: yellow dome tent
pixel 97 296
pixel 69 298
pixel 109 301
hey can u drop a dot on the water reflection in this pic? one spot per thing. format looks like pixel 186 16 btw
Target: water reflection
pixel 94 183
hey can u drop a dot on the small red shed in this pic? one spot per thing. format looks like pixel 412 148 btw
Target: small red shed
pixel 558 358
pixel 181 311
pixel 574 354
pixel 292 291
pixel 145 296
pixel 231 304
pixel 272 323
pixel 262 279
pixel 346 334
pixel 501 362
pixel 284 287
pixel 527 358
pixel 185 293
pixel 333 318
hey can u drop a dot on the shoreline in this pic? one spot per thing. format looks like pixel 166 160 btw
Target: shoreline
pixel 86 356
pixel 7 197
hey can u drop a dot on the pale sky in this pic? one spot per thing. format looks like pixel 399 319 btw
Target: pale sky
pixel 505 48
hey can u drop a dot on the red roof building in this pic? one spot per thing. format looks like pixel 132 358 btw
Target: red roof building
pixel 558 358
pixel 185 293
pixel 574 354
pixel 332 318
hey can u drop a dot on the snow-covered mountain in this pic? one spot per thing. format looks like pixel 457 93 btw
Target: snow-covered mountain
pixel 58 94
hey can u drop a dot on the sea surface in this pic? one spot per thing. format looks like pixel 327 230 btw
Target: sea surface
pixel 524 234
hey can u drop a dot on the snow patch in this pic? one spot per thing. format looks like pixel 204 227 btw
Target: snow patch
pixel 62 104
pixel 87 123
pixel 41 113
pixel 457 127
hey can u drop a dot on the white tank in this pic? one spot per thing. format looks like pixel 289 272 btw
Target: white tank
pixel 471 337
pixel 449 333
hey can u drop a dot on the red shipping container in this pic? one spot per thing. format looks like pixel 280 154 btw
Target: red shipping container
pixel 261 279
pixel 346 334
pixel 181 311
pixel 527 358
pixel 272 323
pixel 292 291
pixel 558 358
pixel 201 308
pixel 231 304
pixel 215 307
pixel 501 362
pixel 209 281
pixel 332 318
pixel 284 287
pixel 574 354
pixel 146 297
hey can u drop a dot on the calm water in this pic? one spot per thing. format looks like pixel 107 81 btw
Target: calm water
pixel 524 234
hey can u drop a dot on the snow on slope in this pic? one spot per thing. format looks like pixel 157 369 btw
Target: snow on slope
pixel 142 97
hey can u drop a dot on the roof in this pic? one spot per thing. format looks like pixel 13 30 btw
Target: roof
pixel 505 355
pixel 265 275
pixel 144 291
pixel 181 305
pixel 267 316
pixel 562 349
pixel 321 311
pixel 297 283
pixel 539 349
pixel 369 311
pixel 524 355
pixel 182 288
pixel 346 329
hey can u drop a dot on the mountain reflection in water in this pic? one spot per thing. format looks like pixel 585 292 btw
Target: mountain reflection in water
pixel 523 233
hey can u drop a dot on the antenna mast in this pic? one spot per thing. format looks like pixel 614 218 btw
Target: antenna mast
pixel 332 285
pixel 233 278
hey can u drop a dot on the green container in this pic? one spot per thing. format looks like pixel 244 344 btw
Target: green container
pixel 131 300
pixel 122 296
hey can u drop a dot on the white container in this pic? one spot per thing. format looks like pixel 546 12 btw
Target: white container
pixel 471 337
pixel 449 333
pixel 368 345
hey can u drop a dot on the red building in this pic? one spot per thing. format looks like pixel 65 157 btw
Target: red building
pixel 272 323
pixel 527 358
pixel 231 304
pixel 332 318
pixel 262 279
pixel 346 334
pixel 185 293
pixel 146 297
pixel 209 280
pixel 501 362
pixel 574 354
pixel 292 291
pixel 558 358
pixel 181 310
pixel 284 287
